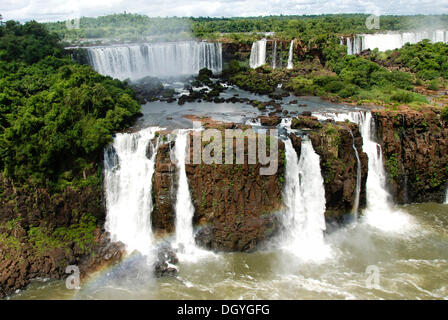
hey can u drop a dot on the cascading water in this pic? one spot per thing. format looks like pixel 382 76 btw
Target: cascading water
pixel 274 56
pixel 184 241
pixel 127 184
pixel 392 40
pixel 258 54
pixel 158 59
pixel 358 178
pixel 304 198
pixel 379 212
pixel 290 55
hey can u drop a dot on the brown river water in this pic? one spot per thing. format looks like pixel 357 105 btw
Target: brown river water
pixel 407 259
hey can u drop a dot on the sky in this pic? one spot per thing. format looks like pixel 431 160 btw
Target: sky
pixel 56 10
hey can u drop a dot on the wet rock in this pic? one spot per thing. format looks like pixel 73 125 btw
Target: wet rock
pixel 165 264
pixel 234 205
pixel 415 150
pixel 163 216
pixel 270 121
pixel 305 122
pixel 334 145
pixel 149 88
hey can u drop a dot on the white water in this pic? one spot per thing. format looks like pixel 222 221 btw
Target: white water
pixel 392 40
pixel 274 56
pixel 253 122
pixel 290 55
pixel 184 240
pixel 380 212
pixel 157 60
pixel 304 197
pixel 127 185
pixel 358 179
pixel 446 197
pixel 258 54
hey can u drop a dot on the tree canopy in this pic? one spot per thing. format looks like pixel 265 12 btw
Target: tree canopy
pixel 55 116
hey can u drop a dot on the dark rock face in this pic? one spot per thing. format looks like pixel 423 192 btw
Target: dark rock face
pixel 270 121
pixel 415 150
pixel 20 264
pixel 36 205
pixel 305 122
pixel 163 216
pixel 235 51
pixel 334 144
pixel 166 261
pixel 105 253
pixel 234 204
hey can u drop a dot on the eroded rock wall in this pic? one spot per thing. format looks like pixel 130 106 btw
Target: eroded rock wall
pixel 415 150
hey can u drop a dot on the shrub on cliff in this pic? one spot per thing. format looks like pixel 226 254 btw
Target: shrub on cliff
pixel 444 113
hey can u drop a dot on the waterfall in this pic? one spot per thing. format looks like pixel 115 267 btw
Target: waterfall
pixel 358 178
pixel 290 55
pixel 392 40
pixel 349 46
pixel 446 196
pixel 304 197
pixel 258 54
pixel 157 59
pixel 274 55
pixel 280 56
pixel 184 241
pixel 380 212
pixel 127 185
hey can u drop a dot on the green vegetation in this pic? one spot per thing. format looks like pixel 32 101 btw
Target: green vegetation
pixel 41 239
pixel 428 60
pixel 55 116
pixel 126 26
pixel 238 29
pixel 392 166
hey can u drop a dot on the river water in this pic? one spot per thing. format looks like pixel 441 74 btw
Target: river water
pixel 412 261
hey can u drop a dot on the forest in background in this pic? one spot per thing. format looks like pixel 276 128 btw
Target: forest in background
pixel 136 27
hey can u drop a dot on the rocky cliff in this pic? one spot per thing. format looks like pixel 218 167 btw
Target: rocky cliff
pixel 415 149
pixel 333 142
pixel 234 205
pixel 42 232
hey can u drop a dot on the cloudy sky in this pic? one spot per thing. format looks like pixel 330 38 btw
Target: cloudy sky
pixel 51 10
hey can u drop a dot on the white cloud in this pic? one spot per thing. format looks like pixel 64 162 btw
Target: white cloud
pixel 51 10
